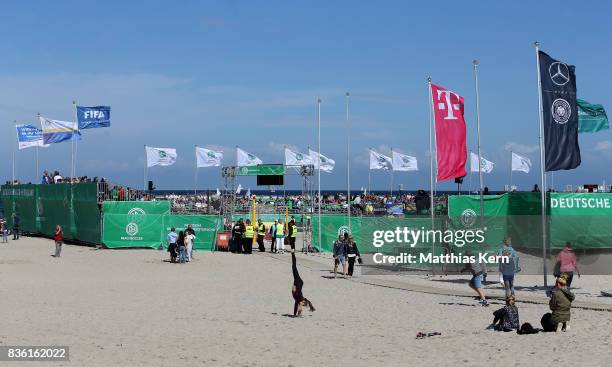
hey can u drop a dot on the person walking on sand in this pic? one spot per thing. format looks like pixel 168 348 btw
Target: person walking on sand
pixel 3 230
pixel 58 237
pixel 509 267
pixel 560 304
pixel 273 248
pixel 339 254
pixel 566 261
pixel 172 237
pixel 16 225
pixel 478 270
pixel 352 254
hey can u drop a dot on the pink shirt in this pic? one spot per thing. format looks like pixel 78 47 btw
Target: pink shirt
pixel 567 260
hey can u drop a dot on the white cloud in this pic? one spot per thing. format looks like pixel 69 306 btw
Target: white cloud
pixel 521 148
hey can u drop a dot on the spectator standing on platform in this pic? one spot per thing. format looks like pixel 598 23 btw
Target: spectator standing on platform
pixel 45 178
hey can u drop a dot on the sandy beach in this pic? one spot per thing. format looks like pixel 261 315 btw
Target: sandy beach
pixel 131 308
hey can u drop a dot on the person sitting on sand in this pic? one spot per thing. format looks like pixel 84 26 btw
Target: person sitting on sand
pixel 296 290
pixel 507 317
pixel 560 304
pixel 478 271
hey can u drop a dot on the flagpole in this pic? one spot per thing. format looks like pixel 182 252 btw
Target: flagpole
pixel 36 174
pixel 145 169
pixel 319 164
pixel 348 162
pixel 12 183
pixel 37 161
pixel 195 179
pixel 392 171
pixel 431 173
pixel 475 63
pixel 369 171
pixel 542 164
pixel 510 171
pixel 72 147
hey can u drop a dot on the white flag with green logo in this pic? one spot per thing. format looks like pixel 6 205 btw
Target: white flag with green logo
pixel 403 162
pixel 380 161
pixel 244 158
pixel 520 163
pixel 293 158
pixel 208 157
pixel 160 156
pixel 485 165
pixel 327 164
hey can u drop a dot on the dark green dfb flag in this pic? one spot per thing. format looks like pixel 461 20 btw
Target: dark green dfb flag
pixel 560 113
pixel 591 117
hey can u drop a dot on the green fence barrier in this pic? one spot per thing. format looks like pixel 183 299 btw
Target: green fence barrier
pixel 134 223
pixel 147 223
pixel 42 207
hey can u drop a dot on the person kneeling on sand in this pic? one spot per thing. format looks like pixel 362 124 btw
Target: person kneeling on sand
pixel 560 304
pixel 507 317
pixel 478 271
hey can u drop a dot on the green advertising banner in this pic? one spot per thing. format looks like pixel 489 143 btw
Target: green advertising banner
pixel 272 169
pixel 134 223
pixel 204 226
pixel 581 218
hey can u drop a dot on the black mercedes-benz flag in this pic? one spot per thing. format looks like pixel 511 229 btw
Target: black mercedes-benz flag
pixel 560 113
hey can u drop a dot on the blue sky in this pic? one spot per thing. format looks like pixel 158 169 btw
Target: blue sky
pixel 226 73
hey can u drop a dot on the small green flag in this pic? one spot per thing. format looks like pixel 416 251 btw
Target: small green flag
pixel 591 117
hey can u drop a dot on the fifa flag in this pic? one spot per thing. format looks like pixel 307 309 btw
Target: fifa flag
pixel 244 158
pixel 485 165
pixel 160 156
pixel 591 117
pixel 560 114
pixel 208 157
pixel 29 136
pixel 327 164
pixel 403 162
pixel 293 158
pixel 451 151
pixel 520 163
pixel 93 117
pixel 380 161
pixel 55 131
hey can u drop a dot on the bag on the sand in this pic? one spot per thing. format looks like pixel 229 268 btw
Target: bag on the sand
pixel 526 328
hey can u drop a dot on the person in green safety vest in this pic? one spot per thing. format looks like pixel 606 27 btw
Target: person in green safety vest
pixel 247 241
pixel 279 237
pixel 261 234
pixel 292 232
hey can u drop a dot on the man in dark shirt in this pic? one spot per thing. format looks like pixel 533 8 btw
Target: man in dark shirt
pixel 237 234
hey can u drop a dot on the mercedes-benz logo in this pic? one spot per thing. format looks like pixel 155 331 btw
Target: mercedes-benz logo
pixel 559 73
pixel 561 111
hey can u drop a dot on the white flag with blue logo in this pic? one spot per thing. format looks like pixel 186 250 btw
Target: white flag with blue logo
pixel 293 158
pixel 380 161
pixel 244 158
pixel 327 164
pixel 55 131
pixel 485 165
pixel 93 117
pixel 160 156
pixel 403 162
pixel 520 163
pixel 29 136
pixel 208 157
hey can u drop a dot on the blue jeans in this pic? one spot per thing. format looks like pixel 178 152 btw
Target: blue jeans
pixel 182 254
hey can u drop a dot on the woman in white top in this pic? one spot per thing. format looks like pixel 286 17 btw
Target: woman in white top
pixel 189 236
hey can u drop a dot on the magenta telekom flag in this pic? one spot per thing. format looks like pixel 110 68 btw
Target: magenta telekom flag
pixel 451 149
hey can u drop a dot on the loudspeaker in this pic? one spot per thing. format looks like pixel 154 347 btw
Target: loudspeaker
pixel 458 180
pixel 150 186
